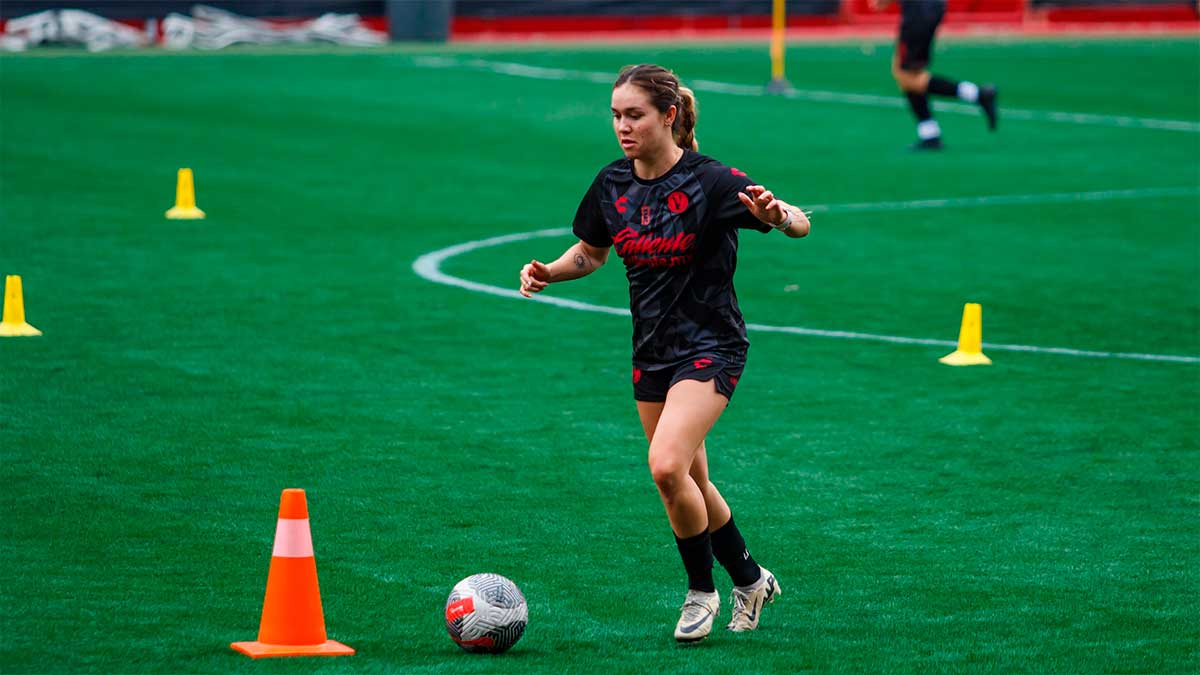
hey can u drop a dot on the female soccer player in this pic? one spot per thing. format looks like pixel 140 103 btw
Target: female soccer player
pixel 673 216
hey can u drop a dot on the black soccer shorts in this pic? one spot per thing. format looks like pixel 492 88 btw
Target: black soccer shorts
pixel 918 23
pixel 651 385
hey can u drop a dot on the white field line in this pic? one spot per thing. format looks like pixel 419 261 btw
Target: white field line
pixel 429 265
pixel 873 100
pixel 1007 200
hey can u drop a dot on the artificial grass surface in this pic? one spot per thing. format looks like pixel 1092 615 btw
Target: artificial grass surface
pixel 1039 515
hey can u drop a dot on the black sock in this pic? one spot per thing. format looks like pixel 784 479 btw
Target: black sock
pixel 920 105
pixel 697 557
pixel 943 87
pixel 731 551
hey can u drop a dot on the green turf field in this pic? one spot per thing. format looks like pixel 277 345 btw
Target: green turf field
pixel 1038 515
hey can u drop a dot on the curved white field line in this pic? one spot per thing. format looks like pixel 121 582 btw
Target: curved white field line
pixel 872 100
pixel 429 265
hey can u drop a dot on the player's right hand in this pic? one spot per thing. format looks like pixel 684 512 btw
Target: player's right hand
pixel 534 277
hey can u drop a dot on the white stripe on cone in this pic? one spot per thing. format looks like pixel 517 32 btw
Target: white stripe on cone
pixel 293 539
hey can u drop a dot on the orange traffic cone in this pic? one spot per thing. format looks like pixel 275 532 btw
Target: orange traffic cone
pixel 292 621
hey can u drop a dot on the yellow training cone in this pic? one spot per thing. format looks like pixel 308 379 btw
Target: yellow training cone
pixel 970 340
pixel 14 310
pixel 185 198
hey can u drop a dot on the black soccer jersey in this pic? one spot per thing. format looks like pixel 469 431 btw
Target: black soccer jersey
pixel 678 237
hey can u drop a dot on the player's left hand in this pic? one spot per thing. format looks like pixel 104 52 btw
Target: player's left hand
pixel 763 205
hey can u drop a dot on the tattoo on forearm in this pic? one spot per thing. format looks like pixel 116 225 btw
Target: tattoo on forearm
pixel 580 261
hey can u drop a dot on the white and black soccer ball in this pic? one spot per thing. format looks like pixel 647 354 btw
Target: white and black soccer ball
pixel 486 613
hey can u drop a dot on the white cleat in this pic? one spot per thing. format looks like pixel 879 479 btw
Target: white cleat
pixel 748 601
pixel 696 619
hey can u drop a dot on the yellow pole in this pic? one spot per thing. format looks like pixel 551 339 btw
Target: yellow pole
pixel 778 82
pixel 778 18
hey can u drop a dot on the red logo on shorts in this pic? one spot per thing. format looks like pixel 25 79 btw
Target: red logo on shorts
pixel 733 381
pixel 737 172
pixel 677 202
pixel 701 364
pixel 621 202
pixel 637 375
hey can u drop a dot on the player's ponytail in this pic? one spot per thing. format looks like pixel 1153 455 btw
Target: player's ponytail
pixel 684 128
pixel 665 91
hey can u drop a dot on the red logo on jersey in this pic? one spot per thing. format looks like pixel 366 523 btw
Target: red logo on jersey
pixel 628 241
pixel 645 250
pixel 701 364
pixel 645 215
pixel 737 172
pixel 677 202
pixel 637 375
pixel 621 202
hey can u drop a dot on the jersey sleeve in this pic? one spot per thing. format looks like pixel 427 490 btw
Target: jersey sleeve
pixel 727 182
pixel 589 223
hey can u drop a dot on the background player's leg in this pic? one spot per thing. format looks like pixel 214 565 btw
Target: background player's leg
pixel 915 85
pixel 967 91
pixel 910 66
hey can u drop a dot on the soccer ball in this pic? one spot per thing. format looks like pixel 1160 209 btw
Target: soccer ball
pixel 486 613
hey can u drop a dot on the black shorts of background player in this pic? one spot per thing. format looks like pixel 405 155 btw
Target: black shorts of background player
pixel 673 216
pixel 919 20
